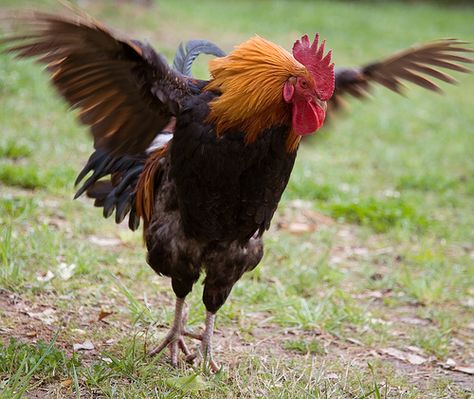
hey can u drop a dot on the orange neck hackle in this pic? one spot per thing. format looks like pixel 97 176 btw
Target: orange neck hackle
pixel 251 80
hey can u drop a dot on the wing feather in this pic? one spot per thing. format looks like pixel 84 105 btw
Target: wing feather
pixel 111 80
pixel 418 65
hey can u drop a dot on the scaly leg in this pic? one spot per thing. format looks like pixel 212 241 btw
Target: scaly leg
pixel 174 339
pixel 206 343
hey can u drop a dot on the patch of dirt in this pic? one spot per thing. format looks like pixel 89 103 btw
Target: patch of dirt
pixel 32 322
pixel 41 321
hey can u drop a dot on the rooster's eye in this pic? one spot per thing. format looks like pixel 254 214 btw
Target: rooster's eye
pixel 304 84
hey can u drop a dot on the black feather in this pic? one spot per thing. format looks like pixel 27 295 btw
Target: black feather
pixel 109 205
pixel 123 206
pixel 133 220
pixel 127 180
pixel 118 192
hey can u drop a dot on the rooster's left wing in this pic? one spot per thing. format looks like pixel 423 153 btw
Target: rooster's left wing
pixel 124 90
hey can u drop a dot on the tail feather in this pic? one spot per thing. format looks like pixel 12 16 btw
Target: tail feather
pixel 117 193
pixel 187 53
pixel 99 192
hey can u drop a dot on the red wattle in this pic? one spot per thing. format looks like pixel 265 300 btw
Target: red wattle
pixel 307 117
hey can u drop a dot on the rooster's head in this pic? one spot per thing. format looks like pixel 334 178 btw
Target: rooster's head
pixel 308 90
pixel 261 85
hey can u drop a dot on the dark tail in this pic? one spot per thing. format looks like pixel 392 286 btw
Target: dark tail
pixel 187 53
pixel 119 190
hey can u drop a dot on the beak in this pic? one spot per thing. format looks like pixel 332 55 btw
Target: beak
pixel 321 104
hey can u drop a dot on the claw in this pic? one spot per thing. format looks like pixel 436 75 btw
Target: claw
pixel 174 340
pixel 191 334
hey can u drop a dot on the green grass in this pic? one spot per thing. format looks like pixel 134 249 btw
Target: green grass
pixel 14 150
pixel 390 264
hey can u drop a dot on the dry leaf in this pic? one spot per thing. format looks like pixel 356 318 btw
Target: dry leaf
pixel 370 294
pixel 296 227
pixel 416 359
pixel 105 241
pixel 466 370
pixel 414 320
pixel 66 271
pixel 66 383
pixel 317 218
pixel 415 349
pixel 44 278
pixel 354 341
pixel 450 363
pixel 407 357
pixel 46 316
pixel 468 302
pixel 86 346
pixel 458 342
pixel 103 314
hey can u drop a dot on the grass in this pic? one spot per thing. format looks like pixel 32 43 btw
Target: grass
pixel 387 189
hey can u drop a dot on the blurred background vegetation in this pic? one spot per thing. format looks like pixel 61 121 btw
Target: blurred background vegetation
pixel 372 248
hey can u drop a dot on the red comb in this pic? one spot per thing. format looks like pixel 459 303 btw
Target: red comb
pixel 318 64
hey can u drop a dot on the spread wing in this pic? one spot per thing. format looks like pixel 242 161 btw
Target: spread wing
pixel 421 65
pixel 124 90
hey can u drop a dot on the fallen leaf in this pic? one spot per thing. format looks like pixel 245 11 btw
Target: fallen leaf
pixel 458 342
pixel 414 320
pixel 370 294
pixel 354 341
pixel 415 349
pixel 394 353
pixel 103 314
pixel 46 316
pixel 298 227
pixel 360 251
pixel 317 218
pixel 468 302
pixel 105 241
pixel 66 383
pixel 66 271
pixel 407 357
pixel 45 277
pixel 450 363
pixel 466 370
pixel 86 346
pixel 380 321
pixel 78 331
pixel 416 359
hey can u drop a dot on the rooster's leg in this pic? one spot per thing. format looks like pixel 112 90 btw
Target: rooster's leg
pixel 174 339
pixel 206 342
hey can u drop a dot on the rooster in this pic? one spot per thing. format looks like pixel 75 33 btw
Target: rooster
pixel 203 163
